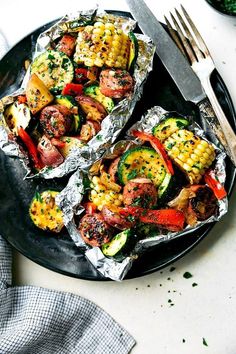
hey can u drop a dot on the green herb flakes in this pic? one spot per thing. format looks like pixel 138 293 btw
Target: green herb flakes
pixel 187 275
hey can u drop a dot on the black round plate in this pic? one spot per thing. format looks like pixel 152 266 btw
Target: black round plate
pixel 58 252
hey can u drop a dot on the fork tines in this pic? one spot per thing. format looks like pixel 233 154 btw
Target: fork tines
pixel 187 37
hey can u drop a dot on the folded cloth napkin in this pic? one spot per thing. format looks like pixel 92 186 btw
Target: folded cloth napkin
pixel 34 320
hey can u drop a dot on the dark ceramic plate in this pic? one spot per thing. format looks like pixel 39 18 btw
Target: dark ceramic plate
pixel 58 252
pixel 223 8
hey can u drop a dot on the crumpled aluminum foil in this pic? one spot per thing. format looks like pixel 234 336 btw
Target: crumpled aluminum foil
pixel 71 206
pixel 113 123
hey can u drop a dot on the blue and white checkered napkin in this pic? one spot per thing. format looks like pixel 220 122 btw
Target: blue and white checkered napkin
pixel 35 320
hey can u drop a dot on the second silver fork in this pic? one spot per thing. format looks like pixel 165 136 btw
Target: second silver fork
pixel 191 44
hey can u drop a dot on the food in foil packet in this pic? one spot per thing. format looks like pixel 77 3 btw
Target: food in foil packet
pixel 80 91
pixel 158 186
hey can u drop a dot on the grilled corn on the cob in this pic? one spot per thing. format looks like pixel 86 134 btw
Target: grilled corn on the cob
pixel 191 153
pixel 102 44
pixel 101 195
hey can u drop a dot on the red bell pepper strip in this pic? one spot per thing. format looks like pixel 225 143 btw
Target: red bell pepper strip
pixel 92 73
pixel 81 75
pixel 90 207
pixel 169 219
pixel 214 184
pixel 21 99
pixel 157 145
pixel 72 89
pixel 58 143
pixel 32 149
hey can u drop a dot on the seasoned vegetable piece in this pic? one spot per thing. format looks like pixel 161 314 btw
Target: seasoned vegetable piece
pixel 102 45
pixel 166 128
pixel 95 92
pixel 49 154
pixel 89 130
pixel 66 44
pixel 69 143
pixel 117 243
pixel 140 192
pixel 38 95
pixel 31 148
pixel 115 83
pixel 113 218
pixel 92 108
pixel 133 53
pixel 70 103
pixel 141 162
pixel 191 153
pixel 54 68
pixel 17 115
pixel 113 170
pixel 94 230
pixel 56 120
pixel 44 212
pixel 102 194
pixel 204 203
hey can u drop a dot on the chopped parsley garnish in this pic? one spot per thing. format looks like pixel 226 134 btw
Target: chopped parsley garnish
pixel 204 342
pixel 187 275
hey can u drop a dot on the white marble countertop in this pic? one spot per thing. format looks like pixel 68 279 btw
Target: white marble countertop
pixel 144 305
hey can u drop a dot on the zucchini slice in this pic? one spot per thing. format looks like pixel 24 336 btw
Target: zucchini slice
pixel 69 102
pixel 54 68
pixel 167 127
pixel 94 92
pixel 117 243
pixel 17 115
pixel 133 53
pixel 141 161
pixel 44 212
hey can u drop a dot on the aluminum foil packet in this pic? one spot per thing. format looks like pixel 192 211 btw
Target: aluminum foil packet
pixel 112 125
pixel 71 197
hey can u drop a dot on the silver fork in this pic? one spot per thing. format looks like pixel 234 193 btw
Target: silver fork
pixel 193 47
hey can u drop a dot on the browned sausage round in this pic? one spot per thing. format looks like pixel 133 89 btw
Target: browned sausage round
pixel 115 83
pixel 112 217
pixel 140 192
pixel 94 230
pixel 55 120
pixel 67 44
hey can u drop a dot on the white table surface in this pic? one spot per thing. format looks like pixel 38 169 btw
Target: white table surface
pixel 141 305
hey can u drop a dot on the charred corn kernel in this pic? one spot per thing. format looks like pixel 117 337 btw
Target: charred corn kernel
pixel 101 193
pixel 96 43
pixel 191 153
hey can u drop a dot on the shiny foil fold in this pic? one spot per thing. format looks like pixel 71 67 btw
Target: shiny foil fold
pixel 113 123
pixel 71 206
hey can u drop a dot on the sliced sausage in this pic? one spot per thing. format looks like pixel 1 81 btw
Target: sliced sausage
pixel 140 192
pixel 94 230
pixel 112 217
pixel 115 83
pixel 66 44
pixel 49 154
pixel 56 120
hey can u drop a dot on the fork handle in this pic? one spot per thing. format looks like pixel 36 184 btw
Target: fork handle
pixel 215 117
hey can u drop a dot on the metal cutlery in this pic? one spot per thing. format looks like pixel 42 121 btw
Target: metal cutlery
pixel 190 42
pixel 181 72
